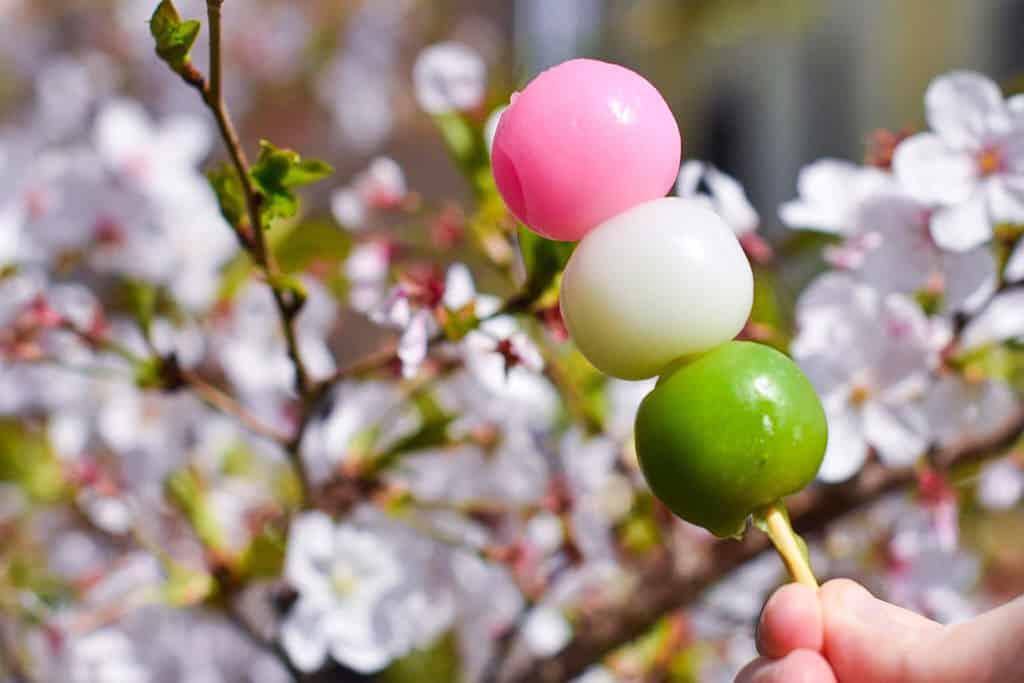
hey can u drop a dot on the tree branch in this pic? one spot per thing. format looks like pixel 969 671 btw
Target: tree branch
pixel 678 578
pixel 227 404
pixel 213 96
pixel 287 302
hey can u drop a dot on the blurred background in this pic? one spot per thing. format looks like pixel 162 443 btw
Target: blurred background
pixel 761 88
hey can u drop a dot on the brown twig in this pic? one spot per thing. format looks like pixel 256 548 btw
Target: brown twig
pixel 227 404
pixel 254 241
pixel 678 578
pixel 247 630
pixel 388 354
pixel 213 96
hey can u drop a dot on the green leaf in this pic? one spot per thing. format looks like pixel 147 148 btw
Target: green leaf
pixel 459 322
pixel 317 240
pixel 994 361
pixel 544 261
pixel 187 587
pixel 277 172
pixel 264 558
pixel 238 461
pixel 30 573
pixel 432 433
pixel 437 662
pixel 28 460
pixel 930 301
pixel 174 37
pixel 187 491
pixel 141 299
pixel 464 139
pixel 230 196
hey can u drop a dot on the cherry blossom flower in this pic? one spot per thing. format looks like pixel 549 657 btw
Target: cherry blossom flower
pixel 546 631
pixel 488 603
pixel 958 408
pixel 412 307
pixel 104 656
pixel 1001 319
pixel 366 270
pixel 252 349
pixel 971 163
pixel 723 194
pixel 342 574
pixel 869 357
pixel 903 257
pixel 499 342
pixel 356 87
pixel 925 572
pixel 596 674
pixel 161 160
pixel 380 186
pixel 66 90
pixel 830 192
pixel 601 495
pixel 511 471
pixel 449 77
pixel 357 600
pixel 1001 484
pixel 353 408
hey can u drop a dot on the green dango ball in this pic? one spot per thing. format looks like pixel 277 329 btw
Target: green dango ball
pixel 730 433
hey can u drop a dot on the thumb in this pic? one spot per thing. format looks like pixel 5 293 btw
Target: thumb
pixel 868 640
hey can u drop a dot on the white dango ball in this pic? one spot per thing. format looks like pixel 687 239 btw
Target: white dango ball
pixel 658 282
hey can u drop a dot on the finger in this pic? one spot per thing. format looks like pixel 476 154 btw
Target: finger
pixel 799 666
pixel 986 649
pixel 867 639
pixel 791 620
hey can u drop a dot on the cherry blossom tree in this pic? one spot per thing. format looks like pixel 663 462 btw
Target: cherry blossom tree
pixel 259 422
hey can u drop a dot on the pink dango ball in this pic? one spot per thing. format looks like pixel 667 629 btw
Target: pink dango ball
pixel 584 141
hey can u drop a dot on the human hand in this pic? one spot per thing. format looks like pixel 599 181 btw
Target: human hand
pixel 843 634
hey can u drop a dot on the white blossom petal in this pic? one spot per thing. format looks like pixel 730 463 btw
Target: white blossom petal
pixel 348 209
pixel 310 545
pixel 830 191
pixel 1015 105
pixel 964 108
pixel 725 195
pixel 690 174
pixel 1005 197
pixel 459 289
pixel 963 226
pixel 122 127
pixel 1001 485
pixel 303 636
pixel 546 631
pixel 731 202
pixel 896 432
pixel 957 409
pixel 353 642
pixel 449 77
pixel 847 451
pixel 933 172
pixel 1014 271
pixel 1002 319
pixel 184 140
pixel 412 347
pixel 970 278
